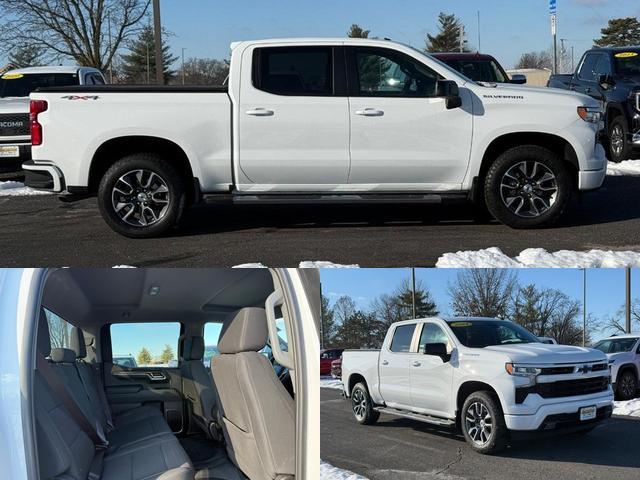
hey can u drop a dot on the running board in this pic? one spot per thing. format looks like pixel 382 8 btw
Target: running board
pixel 347 198
pixel 445 422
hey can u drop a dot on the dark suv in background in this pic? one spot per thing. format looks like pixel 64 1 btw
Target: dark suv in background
pixel 479 67
pixel 611 75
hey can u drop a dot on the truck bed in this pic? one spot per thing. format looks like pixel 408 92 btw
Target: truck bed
pixel 137 89
pixel 360 362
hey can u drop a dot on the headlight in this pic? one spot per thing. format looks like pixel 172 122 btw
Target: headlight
pixel 521 370
pixel 589 114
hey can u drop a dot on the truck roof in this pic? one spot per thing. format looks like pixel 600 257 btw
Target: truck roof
pixel 462 56
pixel 617 49
pixel 360 41
pixel 450 319
pixel 50 69
pixel 622 335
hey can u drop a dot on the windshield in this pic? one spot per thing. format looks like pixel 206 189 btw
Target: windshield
pixel 627 64
pixel 18 85
pixel 479 70
pixel 485 333
pixel 616 345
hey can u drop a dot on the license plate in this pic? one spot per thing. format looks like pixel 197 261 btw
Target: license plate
pixel 9 151
pixel 587 413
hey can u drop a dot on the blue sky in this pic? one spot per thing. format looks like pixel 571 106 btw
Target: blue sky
pixel 508 27
pixel 605 287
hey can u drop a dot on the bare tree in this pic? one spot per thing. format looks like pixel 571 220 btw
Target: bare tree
pixel 205 71
pixel 343 309
pixel 617 322
pixel 89 31
pixel 59 330
pixel 539 60
pixel 483 292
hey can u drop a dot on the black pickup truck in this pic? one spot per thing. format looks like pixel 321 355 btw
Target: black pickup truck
pixel 611 75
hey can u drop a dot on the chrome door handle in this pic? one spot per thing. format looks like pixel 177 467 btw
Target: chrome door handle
pixel 260 112
pixel 416 364
pixel 384 362
pixel 370 112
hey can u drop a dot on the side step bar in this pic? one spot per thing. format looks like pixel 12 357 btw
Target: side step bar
pixel 445 422
pixel 310 199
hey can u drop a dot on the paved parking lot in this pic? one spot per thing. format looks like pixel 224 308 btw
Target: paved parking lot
pixel 41 230
pixel 405 450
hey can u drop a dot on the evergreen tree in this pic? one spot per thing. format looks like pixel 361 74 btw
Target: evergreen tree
pixel 141 51
pixel 328 324
pixel 167 354
pixel 356 31
pixel 620 32
pixel 425 306
pixel 26 56
pixel 359 330
pixel 144 356
pixel 448 38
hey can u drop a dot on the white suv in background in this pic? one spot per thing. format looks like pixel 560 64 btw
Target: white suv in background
pixel 623 352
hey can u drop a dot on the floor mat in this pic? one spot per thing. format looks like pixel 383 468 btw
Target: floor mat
pixel 210 459
pixel 200 448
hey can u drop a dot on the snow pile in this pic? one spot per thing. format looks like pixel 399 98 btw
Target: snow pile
pixel 15 189
pixel 628 167
pixel 628 407
pixel 329 472
pixel 303 264
pixel 330 382
pixel 539 258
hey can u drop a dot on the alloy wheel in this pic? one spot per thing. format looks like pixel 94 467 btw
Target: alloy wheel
pixel 628 386
pixel 529 189
pixel 617 140
pixel 140 198
pixel 478 423
pixel 359 404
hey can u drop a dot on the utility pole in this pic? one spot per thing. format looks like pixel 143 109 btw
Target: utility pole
pixel 157 27
pixel 461 39
pixel 413 291
pixel 584 307
pixel 552 12
pixel 110 47
pixel 479 47
pixel 627 308
pixel 183 49
pixel 573 68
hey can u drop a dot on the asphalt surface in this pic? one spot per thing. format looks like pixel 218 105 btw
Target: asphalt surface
pixel 396 448
pixel 43 231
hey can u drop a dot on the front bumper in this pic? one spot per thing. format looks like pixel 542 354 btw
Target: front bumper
pixel 593 179
pixel 561 412
pixel 43 176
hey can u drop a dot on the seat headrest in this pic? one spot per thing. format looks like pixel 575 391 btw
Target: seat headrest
pixel 78 344
pixel 245 331
pixel 44 341
pixel 192 348
pixel 63 355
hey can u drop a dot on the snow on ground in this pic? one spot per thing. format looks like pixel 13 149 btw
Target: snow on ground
pixel 628 167
pixel 14 189
pixel 628 407
pixel 539 258
pixel 329 472
pixel 330 382
pixel 303 264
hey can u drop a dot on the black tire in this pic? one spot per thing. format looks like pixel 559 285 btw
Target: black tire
pixel 618 151
pixel 626 385
pixel 538 161
pixel 498 437
pixel 174 198
pixel 361 403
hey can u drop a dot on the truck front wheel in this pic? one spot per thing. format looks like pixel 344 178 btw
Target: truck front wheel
pixel 528 187
pixel 362 405
pixel 618 144
pixel 141 196
pixel 482 423
pixel 626 385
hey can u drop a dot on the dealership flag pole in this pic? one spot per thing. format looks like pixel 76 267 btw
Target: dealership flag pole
pixel 552 12
pixel 413 291
pixel 584 307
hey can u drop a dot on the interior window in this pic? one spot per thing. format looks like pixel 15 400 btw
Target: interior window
pixel 588 68
pixel 136 345
pixel 385 73
pixel 432 333
pixel 402 336
pixel 294 70
pixel 211 336
pixel 59 330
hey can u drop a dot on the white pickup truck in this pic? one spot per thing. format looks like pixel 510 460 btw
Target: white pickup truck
pixel 318 120
pixel 623 352
pixel 488 377
pixel 15 88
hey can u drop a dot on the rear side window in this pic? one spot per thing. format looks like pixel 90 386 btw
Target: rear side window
pixel 402 336
pixel 211 336
pixel 139 345
pixel 59 330
pixel 298 71
pixel 22 85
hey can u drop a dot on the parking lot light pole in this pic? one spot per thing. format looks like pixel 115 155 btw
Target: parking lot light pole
pixel 183 49
pixel 627 308
pixel 584 307
pixel 157 27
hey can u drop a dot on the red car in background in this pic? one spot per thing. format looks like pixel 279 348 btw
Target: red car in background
pixel 328 356
pixel 336 368
pixel 479 67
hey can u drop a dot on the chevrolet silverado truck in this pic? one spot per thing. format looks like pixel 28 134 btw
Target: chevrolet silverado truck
pixel 488 377
pixel 317 121
pixel 612 77
pixel 623 352
pixel 15 87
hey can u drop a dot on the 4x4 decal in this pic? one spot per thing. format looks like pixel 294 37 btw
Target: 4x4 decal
pixel 80 97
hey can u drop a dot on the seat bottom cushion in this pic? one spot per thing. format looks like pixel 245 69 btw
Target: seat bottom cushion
pixel 136 414
pixel 140 430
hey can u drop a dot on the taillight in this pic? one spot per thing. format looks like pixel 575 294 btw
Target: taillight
pixel 35 108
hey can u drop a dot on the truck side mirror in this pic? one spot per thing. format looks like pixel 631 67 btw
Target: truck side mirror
pixel 606 81
pixel 448 89
pixel 437 350
pixel 518 79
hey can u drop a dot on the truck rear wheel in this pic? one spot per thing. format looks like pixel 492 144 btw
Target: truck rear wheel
pixel 528 187
pixel 618 144
pixel 141 196
pixel 362 406
pixel 482 423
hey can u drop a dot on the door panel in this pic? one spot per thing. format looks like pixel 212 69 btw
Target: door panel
pixel 394 368
pixel 293 131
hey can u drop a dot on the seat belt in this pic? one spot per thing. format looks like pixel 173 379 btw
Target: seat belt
pixel 86 391
pixel 103 396
pixel 72 407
